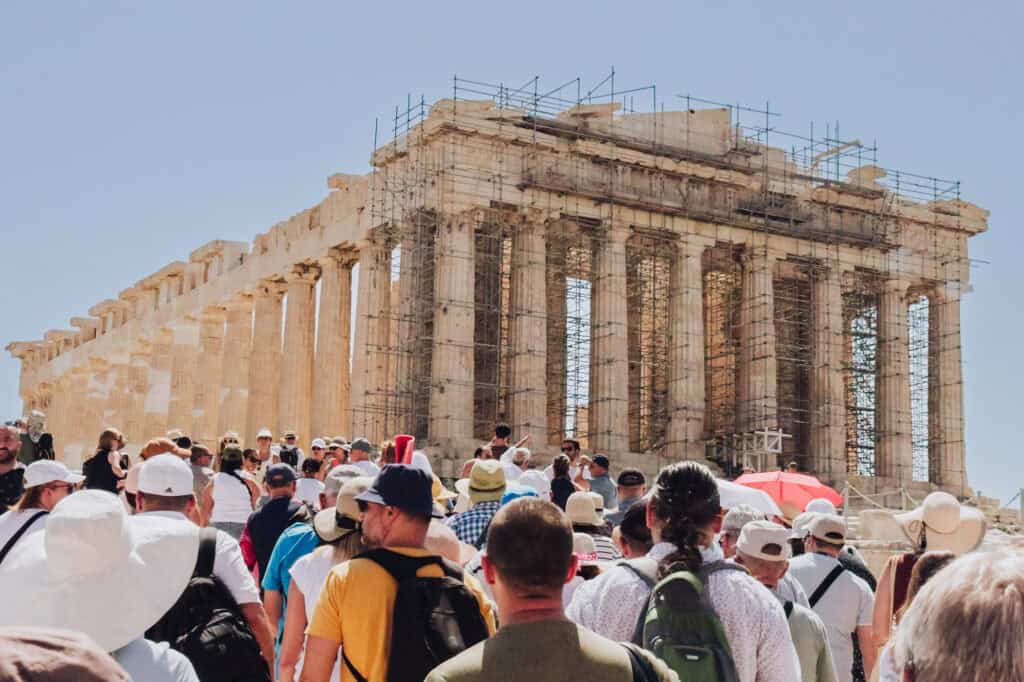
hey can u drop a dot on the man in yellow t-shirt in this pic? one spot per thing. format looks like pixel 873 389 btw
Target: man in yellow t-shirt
pixel 355 607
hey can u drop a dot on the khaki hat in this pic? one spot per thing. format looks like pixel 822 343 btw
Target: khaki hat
pixel 946 524
pixel 598 499
pixel 828 528
pixel 333 524
pixel 486 482
pixel 440 493
pixel 580 510
pixel 739 516
pixel 442 540
pixel 338 475
pixel 764 540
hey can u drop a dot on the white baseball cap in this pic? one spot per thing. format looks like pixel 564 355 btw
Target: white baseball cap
pixel 764 540
pixel 318 443
pixel 264 433
pixel 46 471
pixel 165 475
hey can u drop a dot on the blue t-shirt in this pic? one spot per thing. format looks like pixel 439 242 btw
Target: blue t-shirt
pixel 295 542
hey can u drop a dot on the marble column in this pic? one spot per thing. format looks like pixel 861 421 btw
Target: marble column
pixel 265 361
pixel 234 392
pixel 452 368
pixel 297 358
pixel 555 287
pixel 528 333
pixel 608 414
pixel 206 381
pixel 157 403
pixel 827 387
pixel 184 355
pixel 97 393
pixel 686 353
pixel 76 442
pixel 757 370
pixel 370 356
pixel 894 456
pixel 331 388
pixel 138 386
pixel 947 391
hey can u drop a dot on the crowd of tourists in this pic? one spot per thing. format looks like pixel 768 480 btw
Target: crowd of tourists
pixel 356 562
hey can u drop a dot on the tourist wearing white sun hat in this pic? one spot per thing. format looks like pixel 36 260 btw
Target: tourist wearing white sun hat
pixel 90 562
pixel 46 482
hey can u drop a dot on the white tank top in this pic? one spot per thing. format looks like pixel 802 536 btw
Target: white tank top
pixel 231 500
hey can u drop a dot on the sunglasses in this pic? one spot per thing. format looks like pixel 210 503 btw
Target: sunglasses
pixel 569 449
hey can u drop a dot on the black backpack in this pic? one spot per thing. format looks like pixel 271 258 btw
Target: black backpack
pixel 207 626
pixel 289 456
pixel 433 619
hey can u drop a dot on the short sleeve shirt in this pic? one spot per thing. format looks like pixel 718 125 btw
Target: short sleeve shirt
pixel 847 605
pixel 295 542
pixel 354 610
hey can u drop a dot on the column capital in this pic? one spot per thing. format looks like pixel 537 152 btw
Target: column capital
pixel 212 313
pixel 303 273
pixel 344 256
pixel 240 302
pixel 269 288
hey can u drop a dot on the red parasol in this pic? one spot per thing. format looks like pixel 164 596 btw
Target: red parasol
pixel 790 491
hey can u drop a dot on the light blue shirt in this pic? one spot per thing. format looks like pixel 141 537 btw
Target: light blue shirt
pixel 603 486
pixel 149 661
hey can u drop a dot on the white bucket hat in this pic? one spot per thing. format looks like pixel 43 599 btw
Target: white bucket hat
pixel 947 524
pixel 90 562
pixel 538 481
pixel 580 510
pixel 46 471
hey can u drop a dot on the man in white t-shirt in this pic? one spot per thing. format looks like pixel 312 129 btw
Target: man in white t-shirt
pixel 165 489
pixel 359 454
pixel 845 605
pixel 47 482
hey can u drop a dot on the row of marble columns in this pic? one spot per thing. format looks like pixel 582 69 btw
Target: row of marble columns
pixel 233 367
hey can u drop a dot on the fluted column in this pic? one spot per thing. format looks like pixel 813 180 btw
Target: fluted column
pixel 555 285
pixel 370 357
pixel 757 372
pixel 827 389
pixel 608 415
pixel 234 393
pixel 331 389
pixel 184 355
pixel 265 361
pixel 138 387
pixel 947 399
pixel 686 353
pixel 78 435
pixel 528 333
pixel 157 403
pixel 452 369
pixel 894 456
pixel 297 360
pixel 207 379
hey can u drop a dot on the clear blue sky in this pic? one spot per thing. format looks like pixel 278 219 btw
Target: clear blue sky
pixel 133 132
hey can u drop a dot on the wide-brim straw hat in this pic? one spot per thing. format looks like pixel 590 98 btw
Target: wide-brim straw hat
pixel 947 524
pixel 98 571
pixel 443 541
pixel 335 523
pixel 486 482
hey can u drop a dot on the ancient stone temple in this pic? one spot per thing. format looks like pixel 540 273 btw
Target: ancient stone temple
pixel 660 284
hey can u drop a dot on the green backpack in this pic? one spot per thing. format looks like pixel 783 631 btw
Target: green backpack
pixel 679 625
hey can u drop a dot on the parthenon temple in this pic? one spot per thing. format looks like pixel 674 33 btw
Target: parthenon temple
pixel 659 284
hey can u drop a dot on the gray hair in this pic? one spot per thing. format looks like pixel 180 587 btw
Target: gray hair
pixel 979 598
pixel 521 456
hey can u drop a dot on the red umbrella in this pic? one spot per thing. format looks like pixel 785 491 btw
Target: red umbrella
pixel 790 491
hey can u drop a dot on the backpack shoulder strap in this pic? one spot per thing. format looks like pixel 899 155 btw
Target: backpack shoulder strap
pixel 716 566
pixel 644 568
pixel 399 566
pixel 207 553
pixel 18 533
pixel 788 608
pixel 351 668
pixel 825 584
pixel 639 665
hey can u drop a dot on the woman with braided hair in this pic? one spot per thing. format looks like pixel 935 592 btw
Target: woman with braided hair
pixel 683 515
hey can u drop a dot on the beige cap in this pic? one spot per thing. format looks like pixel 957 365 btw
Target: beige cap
pixel 581 510
pixel 764 540
pixel 828 528
pixel 739 516
pixel 486 482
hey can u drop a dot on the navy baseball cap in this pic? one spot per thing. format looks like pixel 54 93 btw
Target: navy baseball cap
pixel 405 487
pixel 601 461
pixel 280 475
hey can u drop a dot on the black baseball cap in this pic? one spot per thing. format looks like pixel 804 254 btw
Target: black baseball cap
pixel 629 478
pixel 280 475
pixel 405 487
pixel 601 461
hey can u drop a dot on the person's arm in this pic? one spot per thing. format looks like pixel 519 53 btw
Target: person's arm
pixel 868 653
pixel 115 466
pixel 257 617
pixel 294 633
pixel 881 615
pixel 521 441
pixel 206 511
pixel 254 493
pixel 319 660
pixel 273 605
